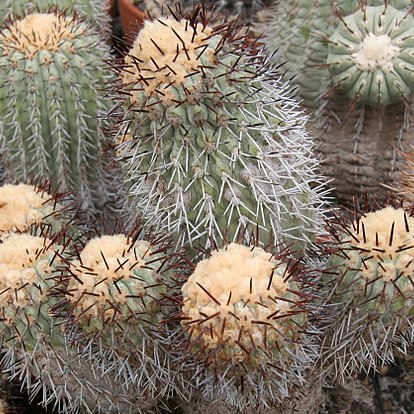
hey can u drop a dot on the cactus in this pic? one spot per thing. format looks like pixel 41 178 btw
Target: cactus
pixel 115 301
pixel 246 318
pixel 96 11
pixel 24 207
pixel 370 291
pixel 52 74
pixel 213 142
pixel 353 64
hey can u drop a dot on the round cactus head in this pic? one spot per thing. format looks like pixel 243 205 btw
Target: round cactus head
pixel 214 142
pixel 117 286
pixel 372 290
pixel 371 55
pixel 246 321
pixel 27 264
pixel 23 208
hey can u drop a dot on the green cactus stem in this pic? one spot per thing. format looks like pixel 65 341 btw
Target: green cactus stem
pixel 213 142
pixel 52 75
pixel 370 291
pixel 247 324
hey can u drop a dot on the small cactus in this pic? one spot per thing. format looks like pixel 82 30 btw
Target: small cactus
pixel 370 291
pixel 115 301
pixel 213 141
pixel 52 74
pixel 246 320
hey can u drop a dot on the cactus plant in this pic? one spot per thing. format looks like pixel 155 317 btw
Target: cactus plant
pixel 246 317
pixel 353 64
pixel 213 142
pixel 370 291
pixel 52 75
pixel 115 301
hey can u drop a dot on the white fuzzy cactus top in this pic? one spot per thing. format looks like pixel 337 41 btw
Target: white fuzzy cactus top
pixel 106 273
pixel 40 31
pixel 167 51
pixel 23 258
pixel 385 236
pixel 234 301
pixel 20 207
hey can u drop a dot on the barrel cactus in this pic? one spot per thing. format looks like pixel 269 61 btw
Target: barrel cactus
pixel 353 62
pixel 371 291
pixel 52 75
pixel 213 143
pixel 246 318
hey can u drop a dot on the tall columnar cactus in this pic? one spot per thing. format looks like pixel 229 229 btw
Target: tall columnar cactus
pixel 246 318
pixel 371 291
pixel 52 75
pixel 354 64
pixel 29 209
pixel 213 141
pixel 96 11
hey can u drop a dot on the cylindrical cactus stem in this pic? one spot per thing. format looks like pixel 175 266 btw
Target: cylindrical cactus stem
pixel 52 103
pixel 370 291
pixel 246 319
pixel 216 143
pixel 354 66
pixel 33 209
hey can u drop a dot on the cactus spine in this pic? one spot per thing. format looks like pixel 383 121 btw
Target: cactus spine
pixel 213 141
pixel 359 53
pixel 52 75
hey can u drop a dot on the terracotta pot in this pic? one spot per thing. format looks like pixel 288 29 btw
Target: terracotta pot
pixel 131 19
pixel 112 7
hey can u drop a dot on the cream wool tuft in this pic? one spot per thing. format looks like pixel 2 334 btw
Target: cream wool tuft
pixel 106 271
pixel 19 207
pixel 41 31
pixel 167 51
pixel 22 258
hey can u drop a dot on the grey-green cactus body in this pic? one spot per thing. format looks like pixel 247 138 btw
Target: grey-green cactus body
pixel 51 105
pixel 217 146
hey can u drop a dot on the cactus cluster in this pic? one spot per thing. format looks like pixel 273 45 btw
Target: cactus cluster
pixel 212 141
pixel 353 62
pixel 246 320
pixel 52 103
pixel 371 291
